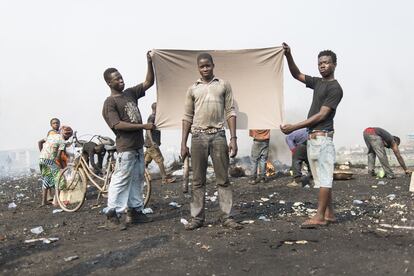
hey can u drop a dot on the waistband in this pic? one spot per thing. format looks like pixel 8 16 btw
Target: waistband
pixel 259 140
pixel 317 133
pixel 211 130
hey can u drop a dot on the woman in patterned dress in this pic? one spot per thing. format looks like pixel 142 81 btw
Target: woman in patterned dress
pixel 50 160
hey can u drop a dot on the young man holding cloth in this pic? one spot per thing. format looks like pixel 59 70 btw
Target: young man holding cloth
pixel 327 93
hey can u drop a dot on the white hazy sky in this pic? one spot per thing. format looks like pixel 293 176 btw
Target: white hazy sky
pixel 53 53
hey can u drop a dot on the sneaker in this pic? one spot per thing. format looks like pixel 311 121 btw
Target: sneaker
pixel 193 224
pixel 134 216
pixel 292 184
pixel 113 222
pixel 231 223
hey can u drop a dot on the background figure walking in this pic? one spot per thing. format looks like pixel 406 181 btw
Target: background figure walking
pixel 259 154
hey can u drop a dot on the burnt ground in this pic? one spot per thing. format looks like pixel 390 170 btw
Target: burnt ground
pixel 361 243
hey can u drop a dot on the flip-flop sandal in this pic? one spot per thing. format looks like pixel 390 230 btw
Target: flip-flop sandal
pixel 310 225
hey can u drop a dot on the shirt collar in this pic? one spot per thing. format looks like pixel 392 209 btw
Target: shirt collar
pixel 201 81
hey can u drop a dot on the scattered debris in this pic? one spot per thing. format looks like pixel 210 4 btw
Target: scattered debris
pixel 174 204
pixel 12 205
pixel 264 199
pixel 357 202
pixel 381 182
pixel 37 230
pixel 264 218
pixel 147 211
pixel 391 196
pixel 184 221
pixel 397 226
pixel 57 211
pixel 71 258
pixel 44 240
pixel 250 221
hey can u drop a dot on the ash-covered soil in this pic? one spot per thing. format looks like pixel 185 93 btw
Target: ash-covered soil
pixel 374 236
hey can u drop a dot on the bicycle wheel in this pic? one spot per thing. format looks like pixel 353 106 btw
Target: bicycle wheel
pixel 71 189
pixel 146 189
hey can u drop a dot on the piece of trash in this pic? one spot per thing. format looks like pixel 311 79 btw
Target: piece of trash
pixel 178 172
pixel 184 221
pixel 288 242
pixel 147 211
pixel 44 240
pixel 391 196
pixel 353 213
pixel 37 230
pixel 211 198
pixel 206 247
pixel 380 173
pixel 19 195
pixel 264 199
pixel 174 204
pixel 297 204
pixel 57 211
pixel 71 258
pixel 382 230
pixel 264 218
pixel 381 182
pixel 374 186
pixel 215 193
pixel 12 205
pixel 397 205
pixel 357 202
pixel 397 226
pixel 282 202
pixel 247 221
pixel 403 219
pixel 302 242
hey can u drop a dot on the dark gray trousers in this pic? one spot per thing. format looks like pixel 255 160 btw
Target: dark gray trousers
pixel 376 148
pixel 204 145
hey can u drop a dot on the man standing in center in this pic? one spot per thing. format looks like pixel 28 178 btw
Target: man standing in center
pixel 209 102
pixel 327 93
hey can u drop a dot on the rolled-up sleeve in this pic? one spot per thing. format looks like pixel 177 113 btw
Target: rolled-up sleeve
pixel 229 107
pixel 189 106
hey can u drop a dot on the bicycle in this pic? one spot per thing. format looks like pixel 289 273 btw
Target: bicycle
pixel 73 180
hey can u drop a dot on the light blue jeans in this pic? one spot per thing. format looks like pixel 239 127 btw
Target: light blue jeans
pixel 125 189
pixel 258 158
pixel 321 156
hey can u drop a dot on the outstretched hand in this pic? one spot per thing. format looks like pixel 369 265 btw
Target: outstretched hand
pixel 149 126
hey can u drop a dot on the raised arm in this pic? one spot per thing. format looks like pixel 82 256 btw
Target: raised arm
pixel 318 117
pixel 149 80
pixel 294 70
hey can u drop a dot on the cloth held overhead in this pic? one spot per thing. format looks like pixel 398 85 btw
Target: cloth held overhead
pixel 255 75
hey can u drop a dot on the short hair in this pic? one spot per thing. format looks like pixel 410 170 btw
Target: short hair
pixel 205 56
pixel 328 53
pixel 108 73
pixel 397 140
pixel 54 119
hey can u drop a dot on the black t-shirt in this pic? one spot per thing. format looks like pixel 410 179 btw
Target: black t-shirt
pixel 385 136
pixel 125 108
pixel 325 93
pixel 155 134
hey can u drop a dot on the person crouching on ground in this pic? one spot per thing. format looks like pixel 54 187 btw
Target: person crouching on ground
pixel 50 160
pixel 209 102
pixel 153 143
pixel 259 154
pixel 121 113
pixel 377 139
pixel 327 94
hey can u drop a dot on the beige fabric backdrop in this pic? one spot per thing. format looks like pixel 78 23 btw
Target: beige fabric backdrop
pixel 256 77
